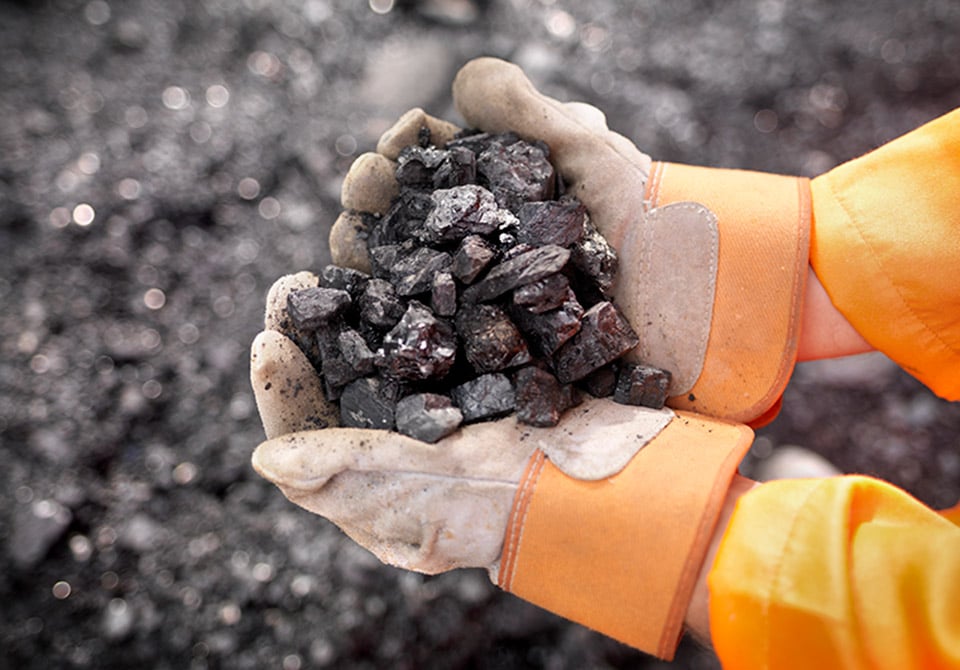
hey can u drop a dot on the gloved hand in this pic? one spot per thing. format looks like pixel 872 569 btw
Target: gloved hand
pixel 604 519
pixel 713 262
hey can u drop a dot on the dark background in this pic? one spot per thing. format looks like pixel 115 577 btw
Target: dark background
pixel 207 140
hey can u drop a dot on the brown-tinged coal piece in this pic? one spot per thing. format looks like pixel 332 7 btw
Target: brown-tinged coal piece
pixel 559 222
pixel 472 257
pixel 526 268
pixel 490 340
pixel 605 335
pixel 544 294
pixel 419 347
pixel 539 397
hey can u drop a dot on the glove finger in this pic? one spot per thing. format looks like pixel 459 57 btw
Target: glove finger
pixel 287 388
pixel 406 131
pixel 419 506
pixel 370 185
pixel 348 245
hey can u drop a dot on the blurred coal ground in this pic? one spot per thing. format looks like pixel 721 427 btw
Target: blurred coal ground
pixel 162 163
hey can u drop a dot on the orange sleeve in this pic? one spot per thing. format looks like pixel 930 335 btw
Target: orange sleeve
pixel 885 244
pixel 846 572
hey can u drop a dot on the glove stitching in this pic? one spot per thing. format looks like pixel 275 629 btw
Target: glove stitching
pixel 519 517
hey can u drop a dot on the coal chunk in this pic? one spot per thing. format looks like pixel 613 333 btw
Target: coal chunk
pixel 345 279
pixel 516 173
pixel 526 268
pixel 602 382
pixel 379 305
pixel 344 358
pixel 414 272
pixel 427 416
pixel 595 258
pixel 490 340
pixel 486 397
pixel 605 335
pixel 314 307
pixel 471 258
pixel 419 347
pixel 459 167
pixel 559 222
pixel 443 294
pixel 544 294
pixel 369 402
pixel 642 385
pixel 540 399
pixel 461 211
pixel 416 165
pixel 548 331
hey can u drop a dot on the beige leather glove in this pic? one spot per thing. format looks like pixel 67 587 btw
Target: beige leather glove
pixel 604 519
pixel 713 262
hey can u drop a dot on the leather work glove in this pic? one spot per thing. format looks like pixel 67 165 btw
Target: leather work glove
pixel 713 262
pixel 604 519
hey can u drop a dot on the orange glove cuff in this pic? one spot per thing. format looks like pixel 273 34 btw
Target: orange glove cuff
pixel 764 223
pixel 621 555
pixel 886 247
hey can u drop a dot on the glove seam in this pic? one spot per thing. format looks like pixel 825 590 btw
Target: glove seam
pixel 515 527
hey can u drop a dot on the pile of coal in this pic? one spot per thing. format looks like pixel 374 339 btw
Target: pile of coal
pixel 489 294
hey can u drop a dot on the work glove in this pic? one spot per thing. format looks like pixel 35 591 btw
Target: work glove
pixel 713 262
pixel 604 519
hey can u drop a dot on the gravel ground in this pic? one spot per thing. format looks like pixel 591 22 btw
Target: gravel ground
pixel 162 163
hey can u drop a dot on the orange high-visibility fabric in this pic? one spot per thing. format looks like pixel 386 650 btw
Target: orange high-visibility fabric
pixel 764 224
pixel 886 246
pixel 840 573
pixel 622 555
pixel 851 572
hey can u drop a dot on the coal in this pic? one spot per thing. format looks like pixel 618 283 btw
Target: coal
pixel 416 165
pixel 516 173
pixel 345 279
pixel 539 398
pixel 414 272
pixel 526 268
pixel 559 222
pixel 548 331
pixel 605 335
pixel 490 340
pixel 369 402
pixel 379 304
pixel 602 382
pixel 419 347
pixel 486 397
pixel 642 385
pixel 544 294
pixel 336 369
pixel 314 307
pixel 443 294
pixel 595 258
pixel 461 211
pixel 427 416
pixel 472 257
pixel 488 294
pixel 459 167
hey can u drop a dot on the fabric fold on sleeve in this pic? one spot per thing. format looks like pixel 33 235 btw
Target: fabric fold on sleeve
pixel 885 244
pixel 846 572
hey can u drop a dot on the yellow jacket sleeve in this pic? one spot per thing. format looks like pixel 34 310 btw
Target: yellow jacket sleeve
pixel 852 572
pixel 840 573
pixel 885 243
